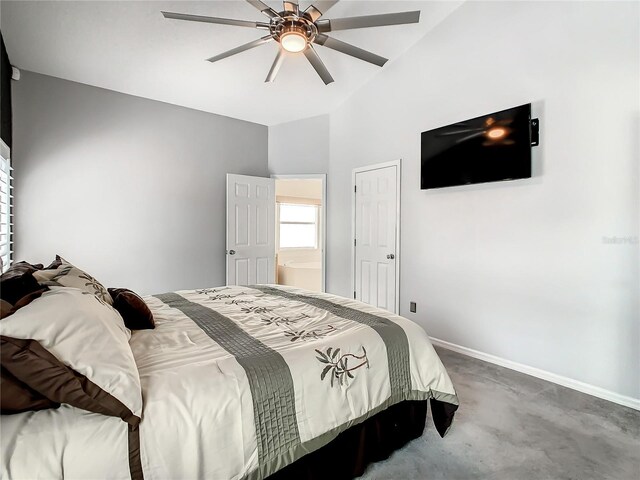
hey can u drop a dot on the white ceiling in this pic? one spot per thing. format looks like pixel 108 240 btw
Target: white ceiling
pixel 128 46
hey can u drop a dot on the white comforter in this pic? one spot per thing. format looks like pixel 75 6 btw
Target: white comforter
pixel 237 382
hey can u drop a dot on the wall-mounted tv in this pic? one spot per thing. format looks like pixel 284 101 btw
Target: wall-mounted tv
pixel 490 148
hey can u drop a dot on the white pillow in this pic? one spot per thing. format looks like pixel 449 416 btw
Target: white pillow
pixel 68 275
pixel 85 334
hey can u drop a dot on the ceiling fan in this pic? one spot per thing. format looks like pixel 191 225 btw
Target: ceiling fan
pixel 297 31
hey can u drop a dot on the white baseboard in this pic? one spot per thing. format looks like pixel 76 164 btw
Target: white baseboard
pixel 543 374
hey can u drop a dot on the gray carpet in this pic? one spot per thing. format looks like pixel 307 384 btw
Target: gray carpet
pixel 512 426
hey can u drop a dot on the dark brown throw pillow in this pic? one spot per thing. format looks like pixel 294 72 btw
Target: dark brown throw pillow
pixel 55 264
pixel 14 285
pixel 27 299
pixel 16 397
pixel 34 366
pixel 7 309
pixel 22 267
pixel 132 307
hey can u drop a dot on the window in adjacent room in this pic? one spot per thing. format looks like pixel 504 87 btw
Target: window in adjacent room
pixel 298 226
pixel 6 217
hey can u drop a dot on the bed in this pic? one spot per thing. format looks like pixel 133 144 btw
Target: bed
pixel 247 383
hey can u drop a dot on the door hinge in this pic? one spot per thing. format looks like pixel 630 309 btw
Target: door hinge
pixel 354 242
pixel 354 295
pixel 355 188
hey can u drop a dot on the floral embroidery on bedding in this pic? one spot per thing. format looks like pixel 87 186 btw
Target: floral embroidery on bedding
pixel 309 334
pixel 237 302
pixel 280 321
pixel 256 309
pixel 68 275
pixel 337 366
pixel 98 299
pixel 99 290
pixel 208 291
pixel 261 311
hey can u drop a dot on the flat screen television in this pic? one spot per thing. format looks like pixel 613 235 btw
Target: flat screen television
pixel 490 148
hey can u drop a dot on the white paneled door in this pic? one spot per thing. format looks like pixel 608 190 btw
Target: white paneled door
pixel 251 244
pixel 376 233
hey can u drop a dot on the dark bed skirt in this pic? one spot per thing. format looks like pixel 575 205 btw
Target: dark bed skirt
pixel 373 440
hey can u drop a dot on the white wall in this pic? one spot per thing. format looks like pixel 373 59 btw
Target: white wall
pixel 300 147
pixel 514 269
pixel 132 190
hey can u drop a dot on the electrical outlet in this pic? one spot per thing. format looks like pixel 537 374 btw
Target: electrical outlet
pixel 412 307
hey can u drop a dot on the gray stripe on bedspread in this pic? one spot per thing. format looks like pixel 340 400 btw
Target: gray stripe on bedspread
pixel 392 334
pixel 269 376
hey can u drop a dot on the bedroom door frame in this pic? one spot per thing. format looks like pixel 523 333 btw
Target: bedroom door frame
pixel 367 168
pixel 323 215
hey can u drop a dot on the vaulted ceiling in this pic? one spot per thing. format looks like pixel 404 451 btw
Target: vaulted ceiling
pixel 129 47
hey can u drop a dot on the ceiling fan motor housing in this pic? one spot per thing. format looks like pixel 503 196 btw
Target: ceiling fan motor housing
pixel 291 24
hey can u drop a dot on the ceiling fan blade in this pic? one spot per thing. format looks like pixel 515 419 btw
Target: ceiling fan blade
pixel 222 21
pixel 324 5
pixel 349 49
pixel 317 64
pixel 264 8
pixel 367 21
pixel 291 6
pixel 275 67
pixel 319 8
pixel 241 48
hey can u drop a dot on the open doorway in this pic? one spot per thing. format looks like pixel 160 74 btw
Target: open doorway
pixel 300 231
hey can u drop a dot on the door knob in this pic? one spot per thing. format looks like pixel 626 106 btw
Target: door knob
pixel 391 256
pixel 232 252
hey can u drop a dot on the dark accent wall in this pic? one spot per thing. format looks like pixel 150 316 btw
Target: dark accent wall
pixel 5 95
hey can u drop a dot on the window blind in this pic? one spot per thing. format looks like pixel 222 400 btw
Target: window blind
pixel 6 208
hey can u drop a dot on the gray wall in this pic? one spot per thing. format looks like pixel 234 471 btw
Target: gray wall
pixel 300 147
pixel 132 190
pixel 521 270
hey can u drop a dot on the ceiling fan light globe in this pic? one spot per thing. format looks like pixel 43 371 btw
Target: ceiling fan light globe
pixel 293 42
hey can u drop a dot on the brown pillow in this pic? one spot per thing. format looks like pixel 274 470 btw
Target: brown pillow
pixel 132 307
pixel 33 365
pixel 27 299
pixel 55 264
pixel 17 397
pixel 15 284
pixel 7 309
pixel 21 267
